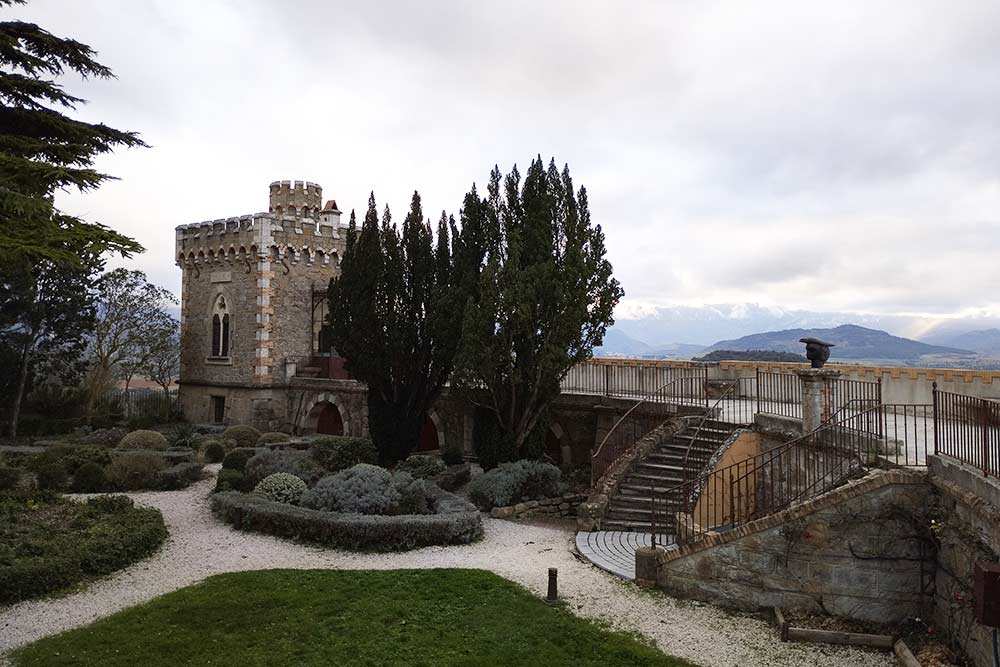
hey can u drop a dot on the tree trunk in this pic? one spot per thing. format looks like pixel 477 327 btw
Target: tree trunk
pixel 22 381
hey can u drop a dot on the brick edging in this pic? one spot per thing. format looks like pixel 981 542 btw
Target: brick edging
pixel 871 482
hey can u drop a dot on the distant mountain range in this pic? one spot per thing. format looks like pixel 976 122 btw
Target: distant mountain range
pixel 985 341
pixel 852 343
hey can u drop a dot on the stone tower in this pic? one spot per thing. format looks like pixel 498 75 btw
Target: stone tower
pixel 251 302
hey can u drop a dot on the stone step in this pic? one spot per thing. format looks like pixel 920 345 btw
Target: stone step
pixel 641 526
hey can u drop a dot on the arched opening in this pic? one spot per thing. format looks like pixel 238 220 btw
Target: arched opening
pixel 329 421
pixel 429 441
pixel 553 446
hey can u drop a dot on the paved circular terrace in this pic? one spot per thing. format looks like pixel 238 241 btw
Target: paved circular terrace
pixel 612 550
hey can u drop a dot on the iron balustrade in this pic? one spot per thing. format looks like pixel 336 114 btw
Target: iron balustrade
pixel 650 412
pixel 852 441
pixel 967 428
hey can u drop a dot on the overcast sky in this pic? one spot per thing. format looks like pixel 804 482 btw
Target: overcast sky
pixel 834 156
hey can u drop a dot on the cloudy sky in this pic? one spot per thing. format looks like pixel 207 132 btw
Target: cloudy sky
pixel 835 156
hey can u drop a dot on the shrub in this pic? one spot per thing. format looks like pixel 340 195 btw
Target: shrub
pixel 9 478
pixel 454 477
pixel 55 543
pixel 269 461
pixel 184 435
pixel 81 456
pixel 456 522
pixel 215 451
pixel 368 489
pixel 52 478
pixel 272 437
pixel 136 471
pixel 513 482
pixel 340 452
pixel 143 440
pixel 242 435
pixel 52 456
pixel 452 455
pixel 141 422
pixel 104 437
pixel 281 487
pixel 179 476
pixel 90 478
pixel 422 466
pixel 237 458
pixel 230 480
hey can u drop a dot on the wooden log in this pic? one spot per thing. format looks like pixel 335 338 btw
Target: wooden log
pixel 782 624
pixel 904 654
pixel 832 637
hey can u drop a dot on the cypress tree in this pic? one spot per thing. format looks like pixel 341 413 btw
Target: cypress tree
pixel 544 299
pixel 395 316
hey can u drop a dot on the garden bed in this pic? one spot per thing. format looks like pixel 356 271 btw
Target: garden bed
pixel 48 544
pixel 454 522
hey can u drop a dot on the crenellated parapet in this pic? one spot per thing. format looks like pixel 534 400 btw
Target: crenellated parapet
pixel 298 199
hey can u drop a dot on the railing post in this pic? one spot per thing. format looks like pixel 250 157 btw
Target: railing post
pixel 607 380
pixel 934 395
pixel 985 417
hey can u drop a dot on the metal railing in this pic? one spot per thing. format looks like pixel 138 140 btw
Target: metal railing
pixel 968 429
pixel 781 393
pixel 805 467
pixel 638 421
pixel 606 378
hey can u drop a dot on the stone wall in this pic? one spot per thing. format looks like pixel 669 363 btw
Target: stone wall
pixel 562 506
pixel 967 528
pixel 856 552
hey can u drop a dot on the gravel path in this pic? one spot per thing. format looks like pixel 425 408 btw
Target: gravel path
pixel 200 546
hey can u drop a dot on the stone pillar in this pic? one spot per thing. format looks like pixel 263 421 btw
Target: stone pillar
pixel 817 396
pixel 646 561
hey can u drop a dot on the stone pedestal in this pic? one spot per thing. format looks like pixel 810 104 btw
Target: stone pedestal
pixel 646 561
pixel 817 396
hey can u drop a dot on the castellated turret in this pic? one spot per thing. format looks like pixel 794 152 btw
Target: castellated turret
pixel 296 198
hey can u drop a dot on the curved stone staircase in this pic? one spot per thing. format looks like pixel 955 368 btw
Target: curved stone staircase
pixel 662 469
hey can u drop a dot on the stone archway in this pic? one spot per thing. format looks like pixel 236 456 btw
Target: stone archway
pixel 320 407
pixel 329 421
pixel 431 435
pixel 556 447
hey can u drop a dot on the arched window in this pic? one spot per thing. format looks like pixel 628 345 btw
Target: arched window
pixel 221 332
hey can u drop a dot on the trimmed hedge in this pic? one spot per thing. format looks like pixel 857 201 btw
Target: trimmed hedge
pixel 143 440
pixel 57 543
pixel 456 522
pixel 422 466
pixel 243 435
pixel 272 437
pixel 338 453
pixel 513 482
pixel 270 461
pixel 230 480
pixel 215 451
pixel 237 458
pixel 179 476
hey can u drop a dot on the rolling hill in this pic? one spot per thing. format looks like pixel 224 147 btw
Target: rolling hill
pixel 852 343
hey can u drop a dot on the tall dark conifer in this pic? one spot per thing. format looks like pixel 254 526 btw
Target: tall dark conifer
pixel 544 298
pixel 395 316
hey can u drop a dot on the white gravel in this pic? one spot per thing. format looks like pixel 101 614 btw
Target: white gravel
pixel 200 546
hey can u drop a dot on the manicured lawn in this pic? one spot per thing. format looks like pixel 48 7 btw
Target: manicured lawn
pixel 310 618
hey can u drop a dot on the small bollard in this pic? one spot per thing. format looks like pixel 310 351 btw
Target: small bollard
pixel 553 595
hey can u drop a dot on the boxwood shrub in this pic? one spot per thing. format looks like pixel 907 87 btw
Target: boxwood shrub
pixel 49 544
pixel 243 435
pixel 455 522
pixel 90 478
pixel 514 482
pixel 422 466
pixel 179 476
pixel 281 487
pixel 237 458
pixel 272 437
pixel 270 461
pixel 230 480
pixel 338 453
pixel 215 451
pixel 142 439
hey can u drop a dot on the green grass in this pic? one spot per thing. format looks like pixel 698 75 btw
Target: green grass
pixel 310 618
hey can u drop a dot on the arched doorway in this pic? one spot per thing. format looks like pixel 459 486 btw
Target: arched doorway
pixel 329 421
pixel 429 440
pixel 553 449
